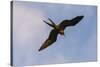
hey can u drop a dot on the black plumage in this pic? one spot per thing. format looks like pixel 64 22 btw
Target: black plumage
pixel 58 29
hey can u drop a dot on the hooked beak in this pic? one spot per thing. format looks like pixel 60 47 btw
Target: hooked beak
pixel 63 34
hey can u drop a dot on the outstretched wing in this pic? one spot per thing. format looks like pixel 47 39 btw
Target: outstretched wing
pixel 51 39
pixel 72 22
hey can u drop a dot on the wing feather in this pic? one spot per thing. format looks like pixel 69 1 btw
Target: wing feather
pixel 72 22
pixel 51 39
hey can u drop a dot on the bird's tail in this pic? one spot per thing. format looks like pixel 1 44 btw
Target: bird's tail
pixel 52 23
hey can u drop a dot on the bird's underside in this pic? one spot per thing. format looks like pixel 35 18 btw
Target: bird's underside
pixel 58 29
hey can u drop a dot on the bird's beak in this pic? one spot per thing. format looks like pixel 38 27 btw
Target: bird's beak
pixel 62 32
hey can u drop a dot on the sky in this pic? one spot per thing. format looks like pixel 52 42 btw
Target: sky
pixel 29 32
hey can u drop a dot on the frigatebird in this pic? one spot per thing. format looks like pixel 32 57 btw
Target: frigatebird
pixel 58 29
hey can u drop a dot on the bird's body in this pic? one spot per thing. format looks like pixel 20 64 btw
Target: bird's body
pixel 58 29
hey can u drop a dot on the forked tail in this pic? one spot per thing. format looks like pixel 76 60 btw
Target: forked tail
pixel 52 23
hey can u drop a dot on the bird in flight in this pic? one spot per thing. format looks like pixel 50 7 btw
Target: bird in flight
pixel 58 29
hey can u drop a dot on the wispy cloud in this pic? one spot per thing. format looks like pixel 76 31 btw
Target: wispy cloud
pixel 30 32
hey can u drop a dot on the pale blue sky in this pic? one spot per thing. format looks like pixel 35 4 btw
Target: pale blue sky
pixel 29 32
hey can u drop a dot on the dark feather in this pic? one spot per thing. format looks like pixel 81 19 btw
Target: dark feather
pixel 51 21
pixel 53 34
pixel 48 23
pixel 72 22
pixel 51 39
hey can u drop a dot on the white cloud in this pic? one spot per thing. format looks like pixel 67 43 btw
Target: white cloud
pixel 27 30
pixel 27 22
pixel 30 32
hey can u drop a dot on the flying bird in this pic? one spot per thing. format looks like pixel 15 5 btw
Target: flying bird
pixel 58 29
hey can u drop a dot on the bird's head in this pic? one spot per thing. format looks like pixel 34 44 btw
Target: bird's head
pixel 61 32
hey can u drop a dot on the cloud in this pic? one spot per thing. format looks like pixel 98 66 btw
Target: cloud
pixel 30 32
pixel 28 28
pixel 27 21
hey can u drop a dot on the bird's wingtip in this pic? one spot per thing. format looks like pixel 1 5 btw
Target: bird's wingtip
pixel 81 16
pixel 40 49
